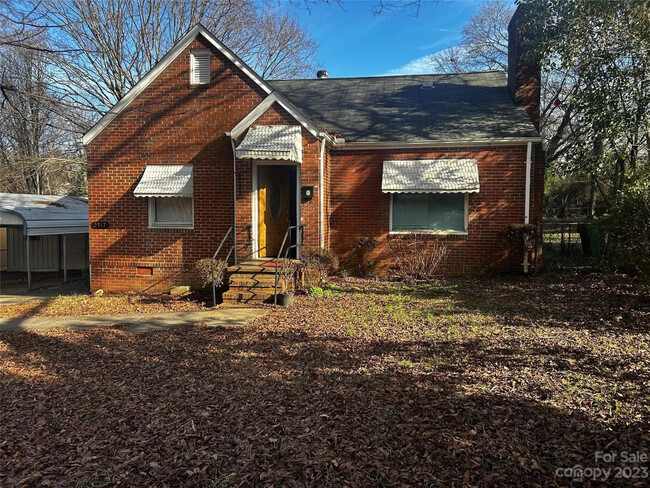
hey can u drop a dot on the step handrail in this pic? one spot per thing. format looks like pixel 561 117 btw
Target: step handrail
pixel 297 245
pixel 232 229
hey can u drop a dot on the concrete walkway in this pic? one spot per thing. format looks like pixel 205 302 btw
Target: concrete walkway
pixel 14 294
pixel 219 317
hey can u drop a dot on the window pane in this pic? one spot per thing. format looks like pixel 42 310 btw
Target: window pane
pixel 410 211
pixel 173 210
pixel 429 211
pixel 447 211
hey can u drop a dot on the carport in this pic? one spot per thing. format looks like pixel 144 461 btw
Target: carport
pixel 44 233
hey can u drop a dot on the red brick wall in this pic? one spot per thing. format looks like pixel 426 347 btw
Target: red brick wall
pixel 359 208
pixel 174 122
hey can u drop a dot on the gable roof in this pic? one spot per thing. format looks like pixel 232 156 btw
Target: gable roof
pixel 459 107
pixel 167 59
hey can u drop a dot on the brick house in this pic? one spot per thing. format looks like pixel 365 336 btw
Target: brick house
pixel 203 143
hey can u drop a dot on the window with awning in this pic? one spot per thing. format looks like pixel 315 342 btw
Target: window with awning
pixel 430 195
pixel 272 142
pixel 170 189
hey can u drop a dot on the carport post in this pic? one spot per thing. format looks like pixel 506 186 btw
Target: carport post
pixel 65 260
pixel 29 267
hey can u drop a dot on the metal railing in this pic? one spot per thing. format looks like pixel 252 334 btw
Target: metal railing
pixel 233 248
pixel 218 276
pixel 300 232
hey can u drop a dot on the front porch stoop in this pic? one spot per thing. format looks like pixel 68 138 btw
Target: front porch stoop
pixel 252 281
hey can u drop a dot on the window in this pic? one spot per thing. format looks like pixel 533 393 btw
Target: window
pixel 429 212
pixel 199 66
pixel 172 212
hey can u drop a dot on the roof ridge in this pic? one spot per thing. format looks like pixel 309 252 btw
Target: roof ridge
pixel 389 76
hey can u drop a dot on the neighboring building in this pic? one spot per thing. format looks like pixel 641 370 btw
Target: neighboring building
pixel 43 233
pixel 453 156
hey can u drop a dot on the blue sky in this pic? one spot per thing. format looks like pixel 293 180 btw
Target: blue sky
pixel 354 42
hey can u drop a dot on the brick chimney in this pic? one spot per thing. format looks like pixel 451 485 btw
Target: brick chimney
pixel 524 78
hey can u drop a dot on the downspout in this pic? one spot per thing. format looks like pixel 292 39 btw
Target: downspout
pixel 321 196
pixel 529 163
pixel 234 195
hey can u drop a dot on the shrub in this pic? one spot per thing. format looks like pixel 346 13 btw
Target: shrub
pixel 521 238
pixel 517 234
pixel 319 264
pixel 416 258
pixel 287 271
pixel 365 246
pixel 203 272
pixel 626 227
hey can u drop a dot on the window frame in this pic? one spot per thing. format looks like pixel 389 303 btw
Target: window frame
pixel 464 232
pixel 193 64
pixel 167 225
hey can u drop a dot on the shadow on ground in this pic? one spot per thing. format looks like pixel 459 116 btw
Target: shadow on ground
pixel 294 400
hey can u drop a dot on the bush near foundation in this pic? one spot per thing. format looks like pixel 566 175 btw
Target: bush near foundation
pixel 416 258
pixel 318 265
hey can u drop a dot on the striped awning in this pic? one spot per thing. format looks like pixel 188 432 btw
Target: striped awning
pixel 166 180
pixel 430 176
pixel 282 142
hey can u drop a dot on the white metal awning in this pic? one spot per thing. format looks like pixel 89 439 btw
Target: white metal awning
pixel 430 176
pixel 166 180
pixel 272 142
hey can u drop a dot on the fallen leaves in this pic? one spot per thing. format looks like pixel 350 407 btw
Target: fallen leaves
pixel 472 382
pixel 131 303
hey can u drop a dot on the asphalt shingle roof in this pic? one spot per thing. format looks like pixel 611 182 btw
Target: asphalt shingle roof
pixel 430 175
pixel 459 106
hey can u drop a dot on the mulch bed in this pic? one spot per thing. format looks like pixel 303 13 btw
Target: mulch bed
pixel 467 382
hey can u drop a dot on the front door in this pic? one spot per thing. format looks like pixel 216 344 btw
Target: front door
pixel 274 190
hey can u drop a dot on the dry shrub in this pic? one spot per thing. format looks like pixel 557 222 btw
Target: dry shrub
pixel 416 258
pixel 365 246
pixel 203 272
pixel 319 264
pixel 288 270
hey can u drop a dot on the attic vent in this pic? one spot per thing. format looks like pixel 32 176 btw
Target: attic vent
pixel 199 66
pixel 427 84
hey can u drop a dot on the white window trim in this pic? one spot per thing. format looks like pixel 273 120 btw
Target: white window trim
pixel 193 54
pixel 167 225
pixel 429 231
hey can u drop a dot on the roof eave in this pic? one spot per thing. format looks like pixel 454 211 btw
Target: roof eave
pixel 507 141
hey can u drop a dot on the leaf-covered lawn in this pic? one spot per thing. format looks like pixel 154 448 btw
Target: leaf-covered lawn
pixel 130 303
pixel 472 382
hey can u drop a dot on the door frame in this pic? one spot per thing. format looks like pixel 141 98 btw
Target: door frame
pixel 255 206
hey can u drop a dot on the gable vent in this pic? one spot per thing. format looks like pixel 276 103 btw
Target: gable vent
pixel 199 66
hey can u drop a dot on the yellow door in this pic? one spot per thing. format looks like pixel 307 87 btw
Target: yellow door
pixel 273 206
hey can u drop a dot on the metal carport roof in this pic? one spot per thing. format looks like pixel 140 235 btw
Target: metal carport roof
pixel 45 214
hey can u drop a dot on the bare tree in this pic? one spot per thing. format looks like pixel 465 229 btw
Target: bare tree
pixel 105 46
pixel 282 49
pixel 66 62
pixel 35 154
pixel 484 42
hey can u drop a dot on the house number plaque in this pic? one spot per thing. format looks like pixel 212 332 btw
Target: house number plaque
pixel 100 224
